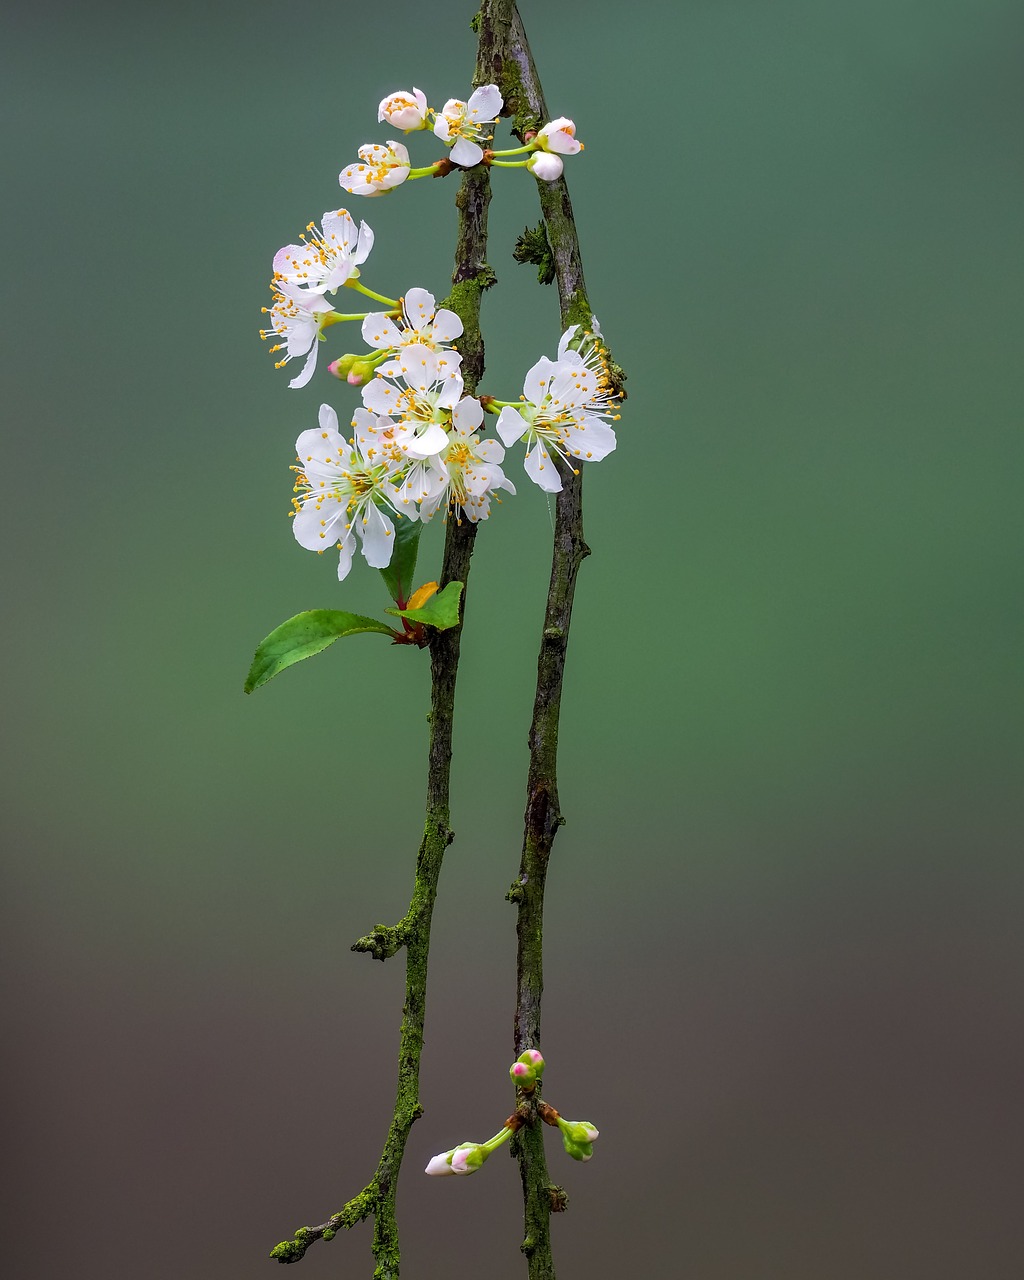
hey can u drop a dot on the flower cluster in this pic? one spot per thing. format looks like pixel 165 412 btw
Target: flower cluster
pixel 465 128
pixel 418 444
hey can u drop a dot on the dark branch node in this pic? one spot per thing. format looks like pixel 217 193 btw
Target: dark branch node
pixel 559 1198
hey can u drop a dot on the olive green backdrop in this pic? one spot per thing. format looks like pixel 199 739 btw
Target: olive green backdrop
pixel 784 968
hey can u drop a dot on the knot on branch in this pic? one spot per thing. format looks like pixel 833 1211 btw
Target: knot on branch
pixel 533 246
pixel 559 1199
pixel 384 940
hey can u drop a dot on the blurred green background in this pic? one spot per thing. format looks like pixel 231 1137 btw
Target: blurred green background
pixel 784 969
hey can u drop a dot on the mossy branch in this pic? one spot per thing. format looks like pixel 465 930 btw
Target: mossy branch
pixel 554 247
pixel 470 278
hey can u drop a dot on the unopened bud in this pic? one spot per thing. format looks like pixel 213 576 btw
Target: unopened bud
pixel 440 1166
pixel 545 166
pixel 527 1070
pixel 578 1138
pixel 341 367
pixel 468 1157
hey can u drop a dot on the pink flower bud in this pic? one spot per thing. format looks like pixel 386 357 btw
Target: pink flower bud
pixel 519 1070
pixel 355 379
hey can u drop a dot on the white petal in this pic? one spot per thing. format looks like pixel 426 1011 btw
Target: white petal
pixel 566 338
pixel 466 153
pixel 291 262
pixel 592 440
pixel 449 365
pixel 353 179
pixel 490 451
pixel 484 103
pixel 447 326
pixel 432 440
pixel 419 308
pixel 381 396
pixel 328 418
pixel 317 527
pixel 301 332
pixel 468 415
pixel 451 391
pixel 339 230
pixel 541 470
pixel 308 369
pixel 378 537
pixel 510 425
pixel 537 381
pixel 364 244
pixel 442 129
pixel 380 331
pixel 348 546
pixel 419 366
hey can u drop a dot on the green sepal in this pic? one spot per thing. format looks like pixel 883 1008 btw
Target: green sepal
pixel 398 576
pixel 440 611
pixel 302 636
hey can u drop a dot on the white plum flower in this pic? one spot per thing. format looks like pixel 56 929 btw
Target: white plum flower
pixel 405 110
pixel 380 168
pixel 397 445
pixel 420 387
pixel 297 317
pixel 564 404
pixel 469 468
pixel 559 135
pixel 422 323
pixel 461 124
pixel 340 490
pixel 544 165
pixel 328 256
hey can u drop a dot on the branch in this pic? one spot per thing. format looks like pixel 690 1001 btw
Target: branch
pixel 469 279
pixel 511 63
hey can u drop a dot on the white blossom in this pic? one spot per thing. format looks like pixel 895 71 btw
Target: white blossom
pixel 463 123
pixel 297 317
pixel 328 256
pixel 421 387
pixel 564 402
pixel 422 323
pixel 402 450
pixel 379 169
pixel 559 135
pixel 468 468
pixel 405 110
pixel 340 490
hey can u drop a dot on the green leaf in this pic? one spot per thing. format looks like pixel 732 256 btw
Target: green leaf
pixel 440 611
pixel 398 576
pixel 302 636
